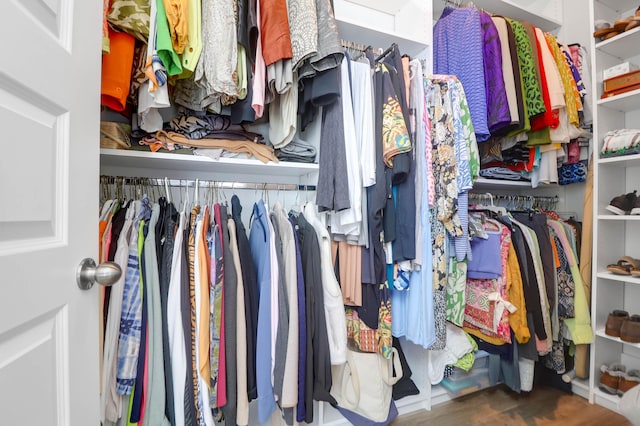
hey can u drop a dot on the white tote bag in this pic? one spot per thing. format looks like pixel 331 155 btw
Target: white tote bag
pixel 629 405
pixel 364 383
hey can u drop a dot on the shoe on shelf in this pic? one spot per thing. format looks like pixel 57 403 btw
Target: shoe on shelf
pixel 610 378
pixel 636 207
pixel 614 322
pixel 626 265
pixel 630 329
pixel 622 204
pixel 629 380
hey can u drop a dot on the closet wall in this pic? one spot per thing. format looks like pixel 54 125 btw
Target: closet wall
pixel 378 23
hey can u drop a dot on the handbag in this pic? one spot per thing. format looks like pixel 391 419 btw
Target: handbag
pixel 629 405
pixel 364 383
pixel 366 339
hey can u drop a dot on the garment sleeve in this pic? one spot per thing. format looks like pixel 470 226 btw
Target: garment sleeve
pixel 518 319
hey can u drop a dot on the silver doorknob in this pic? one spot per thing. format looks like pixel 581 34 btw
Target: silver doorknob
pixel 107 273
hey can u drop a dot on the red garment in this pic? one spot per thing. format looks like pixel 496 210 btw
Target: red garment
pixel 516 167
pixel 550 118
pixel 145 378
pixel 274 31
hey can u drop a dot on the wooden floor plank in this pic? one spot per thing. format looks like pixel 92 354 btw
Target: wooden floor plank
pixel 500 406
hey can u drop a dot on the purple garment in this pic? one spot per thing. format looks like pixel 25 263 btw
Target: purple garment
pixel 457 49
pixel 301 411
pixel 574 72
pixel 486 262
pixel 498 115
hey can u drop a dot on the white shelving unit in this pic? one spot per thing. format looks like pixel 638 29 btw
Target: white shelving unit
pixel 614 236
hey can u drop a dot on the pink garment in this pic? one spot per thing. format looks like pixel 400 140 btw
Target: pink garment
pixel 221 396
pixel 428 153
pixel 145 378
pixel 259 77
pixel 487 306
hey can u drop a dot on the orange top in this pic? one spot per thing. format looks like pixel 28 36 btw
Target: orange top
pixel 116 71
pixel 274 31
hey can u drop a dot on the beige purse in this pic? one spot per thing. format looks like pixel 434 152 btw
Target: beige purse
pixel 364 383
pixel 115 135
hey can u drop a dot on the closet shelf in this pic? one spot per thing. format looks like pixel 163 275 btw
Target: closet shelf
pixel 484 183
pixel 621 46
pixel 625 102
pixel 621 278
pixel 601 333
pixel 181 166
pixel 621 161
pixel 625 218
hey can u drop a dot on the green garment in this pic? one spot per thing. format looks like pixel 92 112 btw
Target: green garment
pixel 534 101
pixel 164 45
pixel 456 286
pixel 580 326
pixel 466 362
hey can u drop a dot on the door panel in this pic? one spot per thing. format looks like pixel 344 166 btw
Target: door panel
pixel 49 127
pixel 32 168
pixel 21 364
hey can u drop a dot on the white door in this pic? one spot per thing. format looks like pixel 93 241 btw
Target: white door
pixel 49 129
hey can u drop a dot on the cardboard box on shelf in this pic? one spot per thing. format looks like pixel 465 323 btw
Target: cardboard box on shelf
pixel 621 84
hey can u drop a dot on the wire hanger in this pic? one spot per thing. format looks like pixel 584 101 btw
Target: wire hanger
pixel 167 193
pixel 387 51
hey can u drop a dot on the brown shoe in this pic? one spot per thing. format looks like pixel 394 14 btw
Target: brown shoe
pixel 622 204
pixel 630 329
pixel 610 378
pixel 614 322
pixel 628 381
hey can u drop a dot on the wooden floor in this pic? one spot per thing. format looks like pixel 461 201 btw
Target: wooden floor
pixel 499 406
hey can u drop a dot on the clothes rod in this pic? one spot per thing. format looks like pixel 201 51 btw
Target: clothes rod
pixel 189 183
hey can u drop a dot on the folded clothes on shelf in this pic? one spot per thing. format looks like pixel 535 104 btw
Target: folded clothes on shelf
pixel 621 142
pixel 298 151
pixel 500 173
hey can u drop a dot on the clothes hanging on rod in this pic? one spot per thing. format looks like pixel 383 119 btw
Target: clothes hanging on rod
pixel 536 302
pixel 208 316
pixel 525 91
pixel 516 202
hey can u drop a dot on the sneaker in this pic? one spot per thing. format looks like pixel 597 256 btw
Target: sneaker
pixel 636 207
pixel 610 378
pixel 614 323
pixel 629 380
pixel 630 329
pixel 623 204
